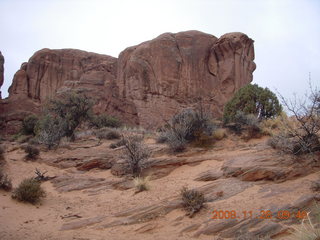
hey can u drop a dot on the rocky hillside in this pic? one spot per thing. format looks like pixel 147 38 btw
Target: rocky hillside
pixel 89 198
pixel 146 84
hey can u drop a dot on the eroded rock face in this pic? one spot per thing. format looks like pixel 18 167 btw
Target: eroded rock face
pixel 172 71
pixel 146 84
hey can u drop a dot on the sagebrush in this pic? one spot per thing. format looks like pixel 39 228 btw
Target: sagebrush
pixel 187 126
pixel 192 200
pixel 135 154
pixel 29 190
pixel 5 181
pixel 32 152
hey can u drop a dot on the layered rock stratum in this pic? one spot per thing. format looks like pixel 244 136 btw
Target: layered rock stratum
pixel 145 85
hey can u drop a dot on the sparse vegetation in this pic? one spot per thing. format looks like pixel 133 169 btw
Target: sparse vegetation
pixel 300 134
pixel 32 152
pixel 192 200
pixel 187 126
pixel 29 125
pixel 72 108
pixel 315 186
pixel 107 133
pixel 51 130
pixel 246 124
pixel 141 184
pixel 308 230
pixel 117 144
pixel 103 120
pixel 135 154
pixel 252 99
pixel 5 182
pixel 29 190
pixel 40 176
pixel 1 152
pixel 162 137
pixel 219 134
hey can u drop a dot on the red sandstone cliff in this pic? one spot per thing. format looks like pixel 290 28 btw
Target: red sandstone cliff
pixel 147 83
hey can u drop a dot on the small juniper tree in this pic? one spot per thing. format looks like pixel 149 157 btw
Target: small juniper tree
pixel 252 99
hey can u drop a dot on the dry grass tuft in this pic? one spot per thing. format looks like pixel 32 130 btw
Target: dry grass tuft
pixel 219 134
pixel 141 184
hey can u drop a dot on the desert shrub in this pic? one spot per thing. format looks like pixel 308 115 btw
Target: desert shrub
pixel 29 125
pixel 32 152
pixel 176 141
pixel 141 184
pixel 192 200
pixel 162 137
pixel 29 190
pixel 135 154
pixel 315 186
pixel 50 130
pixel 2 151
pixel 107 133
pixel 5 182
pixel 101 121
pixel 187 126
pixel 73 108
pixel 117 144
pixel 20 138
pixel 271 126
pixel 247 123
pixel 252 99
pixel 301 132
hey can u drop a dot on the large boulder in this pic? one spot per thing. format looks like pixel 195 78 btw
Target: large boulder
pixel 145 85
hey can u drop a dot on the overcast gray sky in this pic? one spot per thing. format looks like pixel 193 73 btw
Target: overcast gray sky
pixel 286 32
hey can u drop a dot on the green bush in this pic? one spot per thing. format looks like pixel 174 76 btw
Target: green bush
pixel 73 108
pixel 29 190
pixel 100 121
pixel 252 99
pixel 29 125
pixel 192 200
pixel 32 152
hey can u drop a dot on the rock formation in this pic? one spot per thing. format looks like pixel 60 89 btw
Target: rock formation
pixel 146 84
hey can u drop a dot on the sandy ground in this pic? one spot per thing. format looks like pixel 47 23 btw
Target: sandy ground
pixel 23 221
